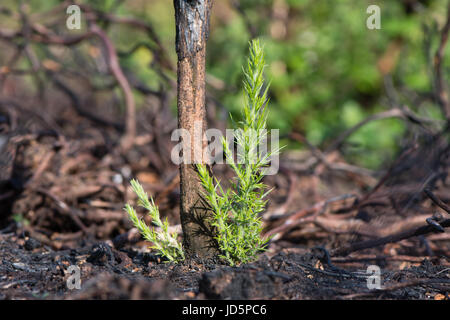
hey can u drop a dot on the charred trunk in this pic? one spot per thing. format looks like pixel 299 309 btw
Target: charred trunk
pixel 192 27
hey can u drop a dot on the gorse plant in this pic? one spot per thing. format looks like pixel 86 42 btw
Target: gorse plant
pixel 164 242
pixel 235 212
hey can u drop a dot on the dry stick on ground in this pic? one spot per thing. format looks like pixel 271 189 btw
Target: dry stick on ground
pixel 300 216
pixel 398 286
pixel 344 225
pixel 364 258
pixel 21 108
pixel 386 175
pixel 192 28
pixel 344 250
pixel 43 165
pixel 71 212
pixel 341 224
pixel 436 200
pixel 282 209
pixel 131 237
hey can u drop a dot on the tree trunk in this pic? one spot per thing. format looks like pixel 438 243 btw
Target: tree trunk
pixel 192 27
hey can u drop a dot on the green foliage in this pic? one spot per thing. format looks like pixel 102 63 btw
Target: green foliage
pixel 164 242
pixel 236 211
pixel 327 59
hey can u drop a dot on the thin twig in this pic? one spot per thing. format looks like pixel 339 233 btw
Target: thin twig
pixel 345 250
pixel 436 200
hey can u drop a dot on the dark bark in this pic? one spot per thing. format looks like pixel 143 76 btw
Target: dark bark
pixel 192 27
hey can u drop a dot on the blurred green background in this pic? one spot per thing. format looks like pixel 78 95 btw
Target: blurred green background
pixel 325 67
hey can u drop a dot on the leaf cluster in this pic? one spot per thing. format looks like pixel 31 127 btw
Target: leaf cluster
pixel 164 242
pixel 236 211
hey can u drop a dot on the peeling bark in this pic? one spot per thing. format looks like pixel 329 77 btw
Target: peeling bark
pixel 192 27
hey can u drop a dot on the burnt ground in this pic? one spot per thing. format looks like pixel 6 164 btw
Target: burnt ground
pixel 64 181
pixel 107 273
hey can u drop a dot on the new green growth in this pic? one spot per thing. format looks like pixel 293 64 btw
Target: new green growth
pixel 236 211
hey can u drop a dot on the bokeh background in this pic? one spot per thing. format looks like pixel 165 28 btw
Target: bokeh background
pixel 327 70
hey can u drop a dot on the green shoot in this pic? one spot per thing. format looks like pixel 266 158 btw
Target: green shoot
pixel 236 211
pixel 164 242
